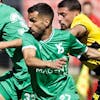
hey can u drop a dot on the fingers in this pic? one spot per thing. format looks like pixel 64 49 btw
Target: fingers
pixel 58 66
pixel 60 62
pixel 62 59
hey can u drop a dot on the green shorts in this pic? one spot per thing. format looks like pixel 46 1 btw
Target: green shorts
pixel 66 90
pixel 10 91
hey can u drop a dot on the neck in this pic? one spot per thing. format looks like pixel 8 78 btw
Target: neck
pixel 47 33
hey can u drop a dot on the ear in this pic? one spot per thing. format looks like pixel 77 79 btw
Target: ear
pixel 76 13
pixel 46 21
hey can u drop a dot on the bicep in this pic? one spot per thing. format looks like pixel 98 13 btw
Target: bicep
pixel 78 30
pixel 29 53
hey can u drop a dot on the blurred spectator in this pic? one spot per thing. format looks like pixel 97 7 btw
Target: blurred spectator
pixel 87 8
pixel 14 3
pixel 5 61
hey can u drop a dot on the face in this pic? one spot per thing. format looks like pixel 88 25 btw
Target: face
pixel 87 9
pixel 65 17
pixel 36 23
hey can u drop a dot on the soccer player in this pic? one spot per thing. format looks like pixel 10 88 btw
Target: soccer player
pixel 16 83
pixel 83 28
pixel 50 44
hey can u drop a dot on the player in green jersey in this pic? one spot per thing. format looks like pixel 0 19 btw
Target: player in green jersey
pixel 51 44
pixel 15 83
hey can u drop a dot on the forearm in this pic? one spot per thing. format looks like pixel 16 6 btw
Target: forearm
pixel 93 54
pixel 31 60
pixel 35 62
pixel 78 30
pixel 9 44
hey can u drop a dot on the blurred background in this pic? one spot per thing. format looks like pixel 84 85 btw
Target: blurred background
pixel 75 64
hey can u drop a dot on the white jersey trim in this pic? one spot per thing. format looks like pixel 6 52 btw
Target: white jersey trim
pixel 50 37
pixel 30 46
pixel 86 49
pixel 79 56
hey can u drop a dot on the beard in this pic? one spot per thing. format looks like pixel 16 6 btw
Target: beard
pixel 37 35
pixel 64 26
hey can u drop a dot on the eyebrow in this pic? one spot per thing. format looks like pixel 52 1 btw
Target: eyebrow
pixel 32 18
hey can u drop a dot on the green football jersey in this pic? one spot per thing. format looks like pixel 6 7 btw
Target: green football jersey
pixel 13 26
pixel 49 83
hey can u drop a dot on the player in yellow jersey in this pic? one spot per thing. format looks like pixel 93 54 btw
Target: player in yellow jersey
pixel 70 17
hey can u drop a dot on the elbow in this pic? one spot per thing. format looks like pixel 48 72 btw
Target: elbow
pixel 28 62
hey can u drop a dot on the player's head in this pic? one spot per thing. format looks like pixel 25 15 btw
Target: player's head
pixel 67 10
pixel 41 17
pixel 87 8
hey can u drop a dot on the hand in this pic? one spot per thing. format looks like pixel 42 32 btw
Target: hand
pixel 57 64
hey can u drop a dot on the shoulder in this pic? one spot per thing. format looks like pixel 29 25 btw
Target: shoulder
pixel 81 15
pixel 8 11
pixel 28 35
pixel 62 34
pixel 7 8
pixel 83 20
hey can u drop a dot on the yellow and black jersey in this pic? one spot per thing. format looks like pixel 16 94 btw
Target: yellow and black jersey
pixel 93 31
pixel 91 38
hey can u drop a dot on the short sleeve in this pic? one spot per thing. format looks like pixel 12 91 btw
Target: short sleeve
pixel 28 41
pixel 76 47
